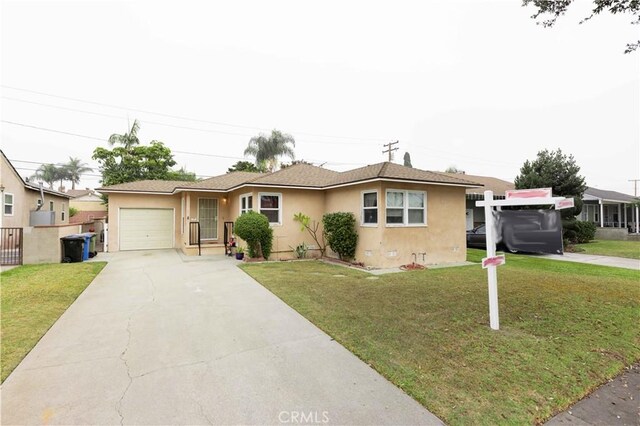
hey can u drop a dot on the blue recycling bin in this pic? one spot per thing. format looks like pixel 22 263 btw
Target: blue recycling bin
pixel 85 249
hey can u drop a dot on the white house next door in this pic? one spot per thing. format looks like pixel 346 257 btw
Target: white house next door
pixel 208 217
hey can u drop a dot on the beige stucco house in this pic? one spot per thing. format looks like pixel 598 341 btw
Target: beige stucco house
pixel 399 210
pixel 32 219
pixel 20 198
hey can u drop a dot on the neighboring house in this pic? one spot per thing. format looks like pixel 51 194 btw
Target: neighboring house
pixel 89 205
pixel 21 198
pixel 399 211
pixel 475 215
pixel 610 209
pixel 32 219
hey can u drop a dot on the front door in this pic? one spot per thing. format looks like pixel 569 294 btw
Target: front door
pixel 208 218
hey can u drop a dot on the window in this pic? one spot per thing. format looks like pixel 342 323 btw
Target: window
pixel 62 213
pixel 370 208
pixel 8 204
pixel 271 207
pixel 246 203
pixel 51 206
pixel 408 208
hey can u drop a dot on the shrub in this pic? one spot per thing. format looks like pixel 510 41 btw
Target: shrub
pixel 340 232
pixel 254 228
pixel 585 231
pixel 73 211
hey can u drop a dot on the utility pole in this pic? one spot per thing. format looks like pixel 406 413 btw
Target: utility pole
pixel 635 186
pixel 389 149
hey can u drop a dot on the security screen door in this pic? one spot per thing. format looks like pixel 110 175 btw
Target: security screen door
pixel 208 217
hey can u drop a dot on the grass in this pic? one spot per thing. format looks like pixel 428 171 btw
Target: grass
pixel 565 329
pixel 33 297
pixel 630 249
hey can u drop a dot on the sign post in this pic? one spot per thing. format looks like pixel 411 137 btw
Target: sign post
pixel 523 197
pixel 494 315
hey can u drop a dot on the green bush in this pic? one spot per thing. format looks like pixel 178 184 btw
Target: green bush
pixel 585 231
pixel 340 233
pixel 254 228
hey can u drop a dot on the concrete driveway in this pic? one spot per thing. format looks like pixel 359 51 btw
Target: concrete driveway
pixel 159 338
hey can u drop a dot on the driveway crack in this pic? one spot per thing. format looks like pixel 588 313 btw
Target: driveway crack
pixel 202 413
pixel 126 364
pixel 153 286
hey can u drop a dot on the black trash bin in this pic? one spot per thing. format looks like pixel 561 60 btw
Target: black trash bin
pixel 72 248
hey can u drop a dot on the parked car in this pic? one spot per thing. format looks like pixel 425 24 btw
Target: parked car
pixel 530 231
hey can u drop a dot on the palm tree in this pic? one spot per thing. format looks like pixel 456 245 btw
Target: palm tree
pixel 75 168
pixel 128 140
pixel 48 173
pixel 267 149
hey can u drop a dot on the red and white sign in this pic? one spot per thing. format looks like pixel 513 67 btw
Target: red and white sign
pixel 564 204
pixel 493 261
pixel 528 193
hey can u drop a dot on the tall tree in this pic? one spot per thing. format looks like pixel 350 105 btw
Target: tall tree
pixel 131 161
pixel 552 9
pixel 407 159
pixel 556 170
pixel 48 173
pixel 267 149
pixel 75 169
pixel 127 140
pixel 245 166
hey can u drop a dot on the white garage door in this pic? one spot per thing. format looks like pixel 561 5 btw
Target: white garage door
pixel 143 229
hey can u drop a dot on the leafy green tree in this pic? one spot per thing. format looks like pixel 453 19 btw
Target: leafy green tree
pixel 552 9
pixel 127 140
pixel 181 174
pixel 246 166
pixel 407 159
pixel 129 161
pixel 267 149
pixel 75 168
pixel 555 170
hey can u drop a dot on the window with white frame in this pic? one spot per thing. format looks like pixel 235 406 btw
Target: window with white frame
pixel 370 208
pixel 62 213
pixel 51 206
pixel 246 203
pixel 406 208
pixel 8 204
pixel 271 206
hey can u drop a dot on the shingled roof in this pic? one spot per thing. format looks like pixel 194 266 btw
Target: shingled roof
pixel 299 175
pixel 609 195
pixel 498 186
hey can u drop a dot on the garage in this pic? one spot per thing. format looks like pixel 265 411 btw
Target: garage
pixel 144 229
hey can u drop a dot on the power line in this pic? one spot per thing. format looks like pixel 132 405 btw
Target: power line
pixel 178 117
pixel 144 121
pixel 178 152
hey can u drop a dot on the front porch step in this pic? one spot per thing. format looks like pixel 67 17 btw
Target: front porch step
pixel 192 250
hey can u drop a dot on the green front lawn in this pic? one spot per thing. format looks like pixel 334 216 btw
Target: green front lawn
pixel 33 297
pixel 565 329
pixel 630 249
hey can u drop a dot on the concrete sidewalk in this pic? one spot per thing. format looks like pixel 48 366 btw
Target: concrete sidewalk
pixel 615 403
pixel 618 262
pixel 159 340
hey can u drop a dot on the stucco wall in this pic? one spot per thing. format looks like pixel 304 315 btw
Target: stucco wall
pixel 42 244
pixel 142 201
pixel 443 239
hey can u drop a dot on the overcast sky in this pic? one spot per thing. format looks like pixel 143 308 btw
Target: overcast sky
pixel 473 84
